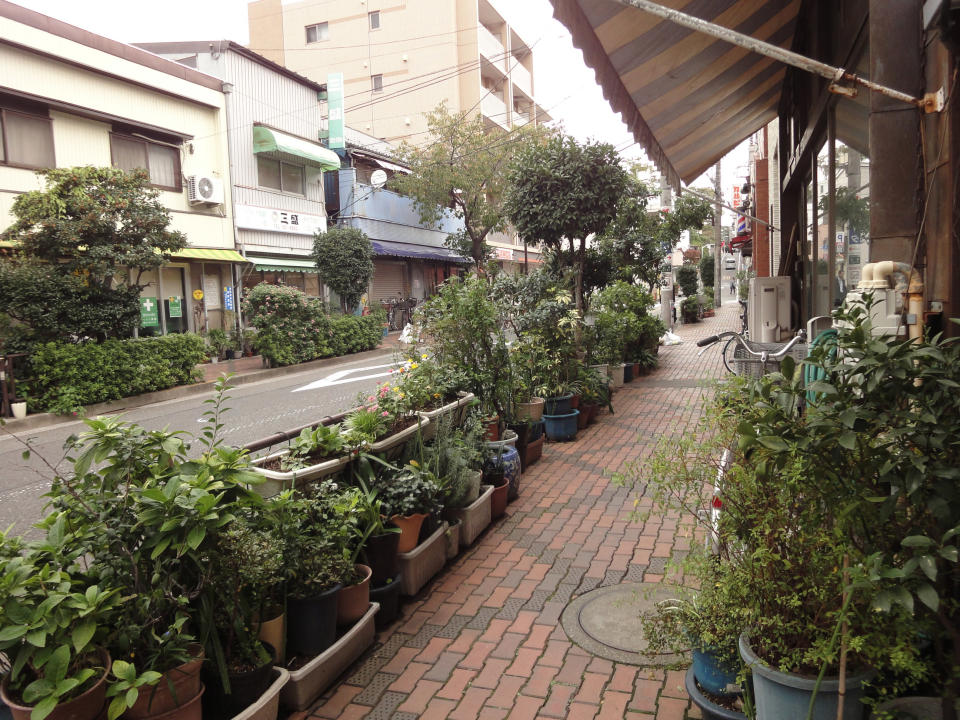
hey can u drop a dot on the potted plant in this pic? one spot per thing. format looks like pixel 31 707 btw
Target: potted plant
pixel 409 495
pixel 314 454
pixel 53 625
pixel 218 341
pixel 316 562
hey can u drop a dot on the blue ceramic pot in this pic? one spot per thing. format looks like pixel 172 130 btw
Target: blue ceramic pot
pixel 561 426
pixel 510 462
pixel 713 675
pixel 709 710
pixel 557 405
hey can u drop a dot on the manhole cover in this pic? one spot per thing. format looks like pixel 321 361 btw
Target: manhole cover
pixel 606 622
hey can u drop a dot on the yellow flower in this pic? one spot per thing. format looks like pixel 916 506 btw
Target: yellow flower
pixel 396 389
pixel 413 366
pixel 415 463
pixel 401 396
pixel 424 356
pixel 436 395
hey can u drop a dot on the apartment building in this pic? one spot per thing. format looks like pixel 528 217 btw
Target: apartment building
pixel 69 97
pixel 400 60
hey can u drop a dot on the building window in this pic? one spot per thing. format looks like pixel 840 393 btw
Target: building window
pixel 26 140
pixel 161 162
pixel 277 175
pixel 376 83
pixel 375 20
pixel 318 32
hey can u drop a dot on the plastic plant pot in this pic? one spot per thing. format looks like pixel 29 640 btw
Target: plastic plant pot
pixel 561 427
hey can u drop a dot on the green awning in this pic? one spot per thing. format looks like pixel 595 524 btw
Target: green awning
pixel 209 254
pixel 281 264
pixel 268 140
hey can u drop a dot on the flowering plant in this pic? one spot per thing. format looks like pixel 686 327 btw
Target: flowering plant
pixel 425 384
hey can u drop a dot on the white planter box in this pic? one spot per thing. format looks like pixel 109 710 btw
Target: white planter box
pixel 423 562
pixel 268 706
pixel 277 481
pixel 309 682
pixel 392 444
pixel 457 408
pixel 453 540
pixel 475 517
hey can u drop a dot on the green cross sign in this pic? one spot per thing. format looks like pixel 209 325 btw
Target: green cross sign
pixel 149 315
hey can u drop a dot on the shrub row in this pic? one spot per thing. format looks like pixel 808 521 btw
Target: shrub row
pixel 63 377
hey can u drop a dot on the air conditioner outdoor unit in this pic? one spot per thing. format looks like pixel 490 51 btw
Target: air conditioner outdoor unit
pixel 204 190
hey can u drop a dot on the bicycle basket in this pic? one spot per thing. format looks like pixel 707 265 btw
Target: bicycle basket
pixel 746 364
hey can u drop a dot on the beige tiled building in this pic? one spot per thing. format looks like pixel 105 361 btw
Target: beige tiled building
pixel 401 59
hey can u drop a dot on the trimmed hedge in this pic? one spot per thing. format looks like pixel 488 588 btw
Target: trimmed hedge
pixel 350 334
pixel 63 377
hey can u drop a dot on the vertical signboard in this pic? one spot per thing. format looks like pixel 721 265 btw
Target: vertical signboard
pixel 335 109
pixel 149 315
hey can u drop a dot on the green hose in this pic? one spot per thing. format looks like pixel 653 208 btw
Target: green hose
pixel 812 373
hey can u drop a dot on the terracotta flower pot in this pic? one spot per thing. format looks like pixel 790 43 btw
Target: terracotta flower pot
pixel 159 699
pixel 87 706
pixel 498 501
pixel 493 428
pixel 354 599
pixel 409 530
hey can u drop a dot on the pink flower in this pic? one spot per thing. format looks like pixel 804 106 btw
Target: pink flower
pixel 385 413
pixel 371 399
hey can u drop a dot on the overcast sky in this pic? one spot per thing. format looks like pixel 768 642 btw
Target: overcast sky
pixel 565 87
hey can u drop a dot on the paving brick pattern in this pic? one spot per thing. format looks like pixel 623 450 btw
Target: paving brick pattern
pixel 483 639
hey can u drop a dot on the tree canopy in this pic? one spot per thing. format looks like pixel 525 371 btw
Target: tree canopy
pixel 82 245
pixel 562 190
pixel 462 170
pixel 344 257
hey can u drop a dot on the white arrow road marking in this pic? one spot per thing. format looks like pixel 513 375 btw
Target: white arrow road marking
pixel 339 378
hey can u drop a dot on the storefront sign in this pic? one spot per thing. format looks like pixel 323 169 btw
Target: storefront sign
pixel 503 254
pixel 228 298
pixel 149 315
pixel 175 306
pixel 211 291
pixel 335 120
pixel 258 218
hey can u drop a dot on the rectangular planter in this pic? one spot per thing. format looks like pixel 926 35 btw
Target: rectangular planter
pixel 309 682
pixel 455 409
pixel 392 445
pixel 423 562
pixel 268 706
pixel 277 481
pixel 475 517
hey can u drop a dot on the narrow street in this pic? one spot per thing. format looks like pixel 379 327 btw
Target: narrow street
pixel 257 410
pixel 487 639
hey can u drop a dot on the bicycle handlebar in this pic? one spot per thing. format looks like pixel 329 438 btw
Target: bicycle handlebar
pixel 708 341
pixel 764 355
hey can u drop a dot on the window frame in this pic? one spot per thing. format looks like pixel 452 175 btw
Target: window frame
pixel 370 16
pixel 306 32
pixel 373 83
pixel 177 171
pixel 3 139
pixel 281 190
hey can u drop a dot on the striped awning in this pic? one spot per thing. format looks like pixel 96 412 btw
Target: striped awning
pixel 213 254
pixel 687 98
pixel 275 264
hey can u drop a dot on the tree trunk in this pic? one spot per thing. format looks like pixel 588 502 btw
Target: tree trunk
pixel 580 256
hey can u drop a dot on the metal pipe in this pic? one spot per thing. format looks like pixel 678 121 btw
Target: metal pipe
pixel 286 435
pixel 834 74
pixel 729 207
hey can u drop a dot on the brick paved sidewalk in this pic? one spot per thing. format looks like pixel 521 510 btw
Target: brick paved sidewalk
pixel 483 640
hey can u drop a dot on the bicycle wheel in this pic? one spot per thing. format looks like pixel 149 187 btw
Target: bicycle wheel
pixel 727 354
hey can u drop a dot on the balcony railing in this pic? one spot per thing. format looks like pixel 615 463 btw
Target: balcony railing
pixel 521 77
pixel 491 48
pixel 495 109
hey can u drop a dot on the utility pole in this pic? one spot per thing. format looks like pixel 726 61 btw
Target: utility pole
pixel 717 217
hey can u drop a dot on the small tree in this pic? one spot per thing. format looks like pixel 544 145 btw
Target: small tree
pixel 83 245
pixel 344 257
pixel 706 270
pixel 687 279
pixel 561 190
pixel 462 170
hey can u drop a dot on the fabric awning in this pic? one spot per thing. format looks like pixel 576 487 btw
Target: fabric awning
pixel 391 166
pixel 209 254
pixel 271 264
pixel 419 252
pixel 687 98
pixel 269 140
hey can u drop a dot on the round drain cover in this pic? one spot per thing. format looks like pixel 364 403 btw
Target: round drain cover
pixel 606 622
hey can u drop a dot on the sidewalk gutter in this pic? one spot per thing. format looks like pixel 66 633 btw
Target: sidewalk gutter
pixel 43 420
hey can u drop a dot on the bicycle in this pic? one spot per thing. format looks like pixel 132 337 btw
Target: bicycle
pixel 752 358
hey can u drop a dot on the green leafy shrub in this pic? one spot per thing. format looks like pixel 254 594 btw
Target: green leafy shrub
pixel 291 326
pixel 351 334
pixel 687 279
pixel 63 377
pixel 707 269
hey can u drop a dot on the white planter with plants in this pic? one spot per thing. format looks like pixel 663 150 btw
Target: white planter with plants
pixel 308 682
pixel 391 444
pixel 423 562
pixel 474 518
pixel 267 707
pixel 464 399
pixel 295 467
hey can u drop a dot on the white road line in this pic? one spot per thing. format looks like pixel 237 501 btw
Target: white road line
pixel 339 377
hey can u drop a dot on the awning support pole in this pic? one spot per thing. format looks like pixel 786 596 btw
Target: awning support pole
pixel 931 102
pixel 738 211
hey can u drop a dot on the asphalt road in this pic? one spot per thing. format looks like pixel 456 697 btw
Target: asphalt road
pixel 257 411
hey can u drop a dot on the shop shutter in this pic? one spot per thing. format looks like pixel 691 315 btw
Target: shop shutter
pixel 388 281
